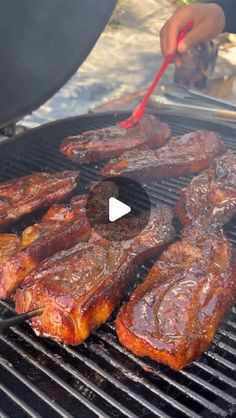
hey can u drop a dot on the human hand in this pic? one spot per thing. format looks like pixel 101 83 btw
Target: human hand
pixel 209 21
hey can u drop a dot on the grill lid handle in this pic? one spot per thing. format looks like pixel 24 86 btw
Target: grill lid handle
pixel 42 43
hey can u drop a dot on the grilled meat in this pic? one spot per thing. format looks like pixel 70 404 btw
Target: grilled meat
pixel 62 227
pixel 210 198
pixel 21 196
pixel 80 287
pixel 55 218
pixel 113 141
pixel 191 153
pixel 9 244
pixel 173 315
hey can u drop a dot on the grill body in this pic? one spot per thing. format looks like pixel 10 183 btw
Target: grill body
pixel 39 377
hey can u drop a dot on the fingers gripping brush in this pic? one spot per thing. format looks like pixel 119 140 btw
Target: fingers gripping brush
pixel 139 111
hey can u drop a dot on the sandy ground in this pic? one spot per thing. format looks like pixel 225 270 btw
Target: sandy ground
pixel 125 58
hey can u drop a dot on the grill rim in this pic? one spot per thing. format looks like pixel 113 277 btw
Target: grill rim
pixel 117 116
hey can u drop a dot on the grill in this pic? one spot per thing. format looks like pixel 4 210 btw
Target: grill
pixel 41 378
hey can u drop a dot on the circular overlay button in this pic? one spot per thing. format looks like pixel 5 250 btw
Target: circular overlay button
pixel 118 208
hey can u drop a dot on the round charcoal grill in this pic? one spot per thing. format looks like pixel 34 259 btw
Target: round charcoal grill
pixel 100 378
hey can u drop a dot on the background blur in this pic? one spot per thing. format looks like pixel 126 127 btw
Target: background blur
pixel 126 58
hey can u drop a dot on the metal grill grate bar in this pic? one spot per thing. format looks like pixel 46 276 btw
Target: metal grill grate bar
pixel 215 373
pixel 207 404
pixel 75 373
pixel 226 348
pixel 69 369
pixel 137 397
pixel 52 375
pixel 3 414
pixel 227 334
pixel 132 377
pixel 208 386
pixel 226 363
pixel 231 324
pixel 26 408
pixel 33 388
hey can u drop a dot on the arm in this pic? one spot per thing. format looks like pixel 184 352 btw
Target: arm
pixel 209 19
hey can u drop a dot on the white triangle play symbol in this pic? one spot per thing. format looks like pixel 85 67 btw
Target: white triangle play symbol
pixel 117 209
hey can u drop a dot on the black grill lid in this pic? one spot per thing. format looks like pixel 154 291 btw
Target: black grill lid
pixel 42 44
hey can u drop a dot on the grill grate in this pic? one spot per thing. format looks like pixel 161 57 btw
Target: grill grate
pixel 100 378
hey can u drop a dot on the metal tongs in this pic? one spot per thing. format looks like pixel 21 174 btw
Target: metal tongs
pixel 174 97
pixel 178 92
pixel 18 319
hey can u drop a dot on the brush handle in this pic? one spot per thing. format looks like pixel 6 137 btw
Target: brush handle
pixel 184 32
pixel 138 113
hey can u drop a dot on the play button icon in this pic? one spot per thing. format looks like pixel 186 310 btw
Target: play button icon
pixel 117 209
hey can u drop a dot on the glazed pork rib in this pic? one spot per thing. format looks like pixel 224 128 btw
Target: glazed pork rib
pixel 62 227
pixel 21 196
pixel 210 198
pixel 80 287
pixel 112 141
pixel 9 244
pixel 190 153
pixel 173 315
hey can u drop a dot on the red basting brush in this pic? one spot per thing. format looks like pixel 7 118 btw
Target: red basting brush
pixel 139 111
